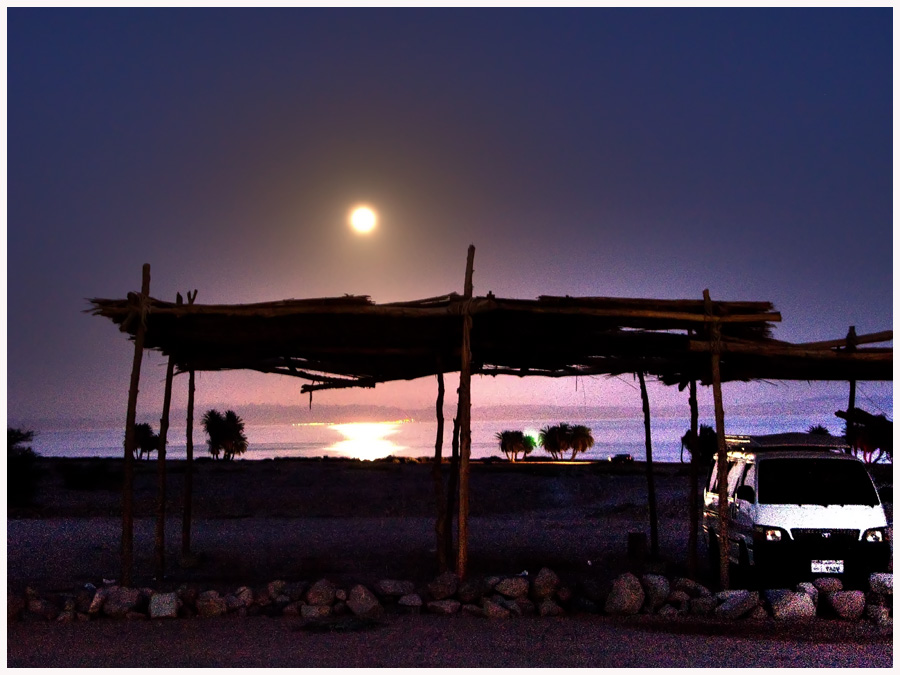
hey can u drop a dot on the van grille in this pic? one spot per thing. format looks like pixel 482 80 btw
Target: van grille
pixel 833 536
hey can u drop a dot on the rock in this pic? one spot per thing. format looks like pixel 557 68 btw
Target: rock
pixel 792 606
pixel 234 603
pixel 411 604
pixel 692 588
pixel 882 582
pixel 510 604
pixel 848 605
pixel 668 611
pixel 244 595
pixel 294 590
pixel 164 606
pixel 340 595
pixel 490 582
pixel 83 600
pixel 315 611
pixel 513 587
pixel 828 584
pixel 43 608
pixel 881 616
pixel 362 602
pixel 340 608
pixel 443 586
pixel 656 590
pixel 681 600
pixel 276 588
pixel 626 596
pixel 547 607
pixel 564 594
pixel 810 590
pixel 758 613
pixel 471 591
pixel 321 593
pixel 188 594
pixel 702 606
pixel 15 605
pixel 494 610
pixel 135 616
pixel 210 603
pixel 291 609
pixel 66 617
pixel 473 610
pixel 394 589
pixel 773 595
pixel 737 604
pixel 545 584
pixel 526 606
pixel 100 596
pixel 443 606
pixel 120 600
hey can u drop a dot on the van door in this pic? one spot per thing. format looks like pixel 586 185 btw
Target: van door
pixel 735 474
pixel 743 513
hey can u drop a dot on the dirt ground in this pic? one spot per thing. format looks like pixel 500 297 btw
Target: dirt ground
pixel 360 521
pixel 255 521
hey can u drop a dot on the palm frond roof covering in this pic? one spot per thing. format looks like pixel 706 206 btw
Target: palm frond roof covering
pixel 352 341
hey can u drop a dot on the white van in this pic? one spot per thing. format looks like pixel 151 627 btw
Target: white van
pixel 798 507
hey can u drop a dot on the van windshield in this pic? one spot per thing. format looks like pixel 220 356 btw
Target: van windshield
pixel 814 481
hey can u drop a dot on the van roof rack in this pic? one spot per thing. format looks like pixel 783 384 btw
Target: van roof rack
pixel 789 440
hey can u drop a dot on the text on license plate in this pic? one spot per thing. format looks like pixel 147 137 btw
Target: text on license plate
pixel 828 566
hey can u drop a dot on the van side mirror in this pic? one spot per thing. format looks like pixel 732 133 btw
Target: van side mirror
pixel 747 493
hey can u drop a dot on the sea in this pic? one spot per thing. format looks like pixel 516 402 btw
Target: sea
pixel 416 438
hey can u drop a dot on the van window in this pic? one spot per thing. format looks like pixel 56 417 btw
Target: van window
pixel 814 481
pixel 714 478
pixel 735 473
pixel 750 476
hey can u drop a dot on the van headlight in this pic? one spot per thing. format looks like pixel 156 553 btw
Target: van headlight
pixel 876 534
pixel 766 533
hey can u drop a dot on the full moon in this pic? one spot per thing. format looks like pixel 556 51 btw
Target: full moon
pixel 363 219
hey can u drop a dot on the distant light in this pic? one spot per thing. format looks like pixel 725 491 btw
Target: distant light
pixel 363 219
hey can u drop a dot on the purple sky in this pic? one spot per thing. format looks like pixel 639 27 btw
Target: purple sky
pixel 641 153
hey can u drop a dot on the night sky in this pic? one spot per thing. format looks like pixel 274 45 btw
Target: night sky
pixel 636 152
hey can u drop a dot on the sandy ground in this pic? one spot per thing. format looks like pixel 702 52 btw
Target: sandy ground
pixel 257 521
pixel 358 522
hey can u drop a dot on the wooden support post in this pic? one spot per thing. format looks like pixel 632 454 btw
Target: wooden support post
pixel 160 540
pixel 189 463
pixel 851 402
pixel 127 544
pixel 651 485
pixel 465 429
pixel 452 492
pixel 440 524
pixel 722 455
pixel 188 472
pixel 694 472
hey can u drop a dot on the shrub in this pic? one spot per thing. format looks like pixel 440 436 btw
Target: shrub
pixel 21 466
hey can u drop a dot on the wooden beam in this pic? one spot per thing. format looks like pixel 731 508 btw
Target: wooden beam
pixel 440 524
pixel 159 548
pixel 871 338
pixel 694 472
pixel 722 452
pixel 651 485
pixel 127 548
pixel 465 425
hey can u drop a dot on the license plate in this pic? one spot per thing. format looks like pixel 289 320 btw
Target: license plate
pixel 828 566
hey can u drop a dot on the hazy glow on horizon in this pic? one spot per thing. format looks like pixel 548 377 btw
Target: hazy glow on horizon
pixel 365 440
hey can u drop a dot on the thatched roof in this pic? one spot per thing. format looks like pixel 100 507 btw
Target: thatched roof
pixel 352 341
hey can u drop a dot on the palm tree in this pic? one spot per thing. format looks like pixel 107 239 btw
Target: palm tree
pixel 581 439
pixel 514 443
pixel 556 439
pixel 225 432
pixel 818 430
pixel 705 446
pixel 145 440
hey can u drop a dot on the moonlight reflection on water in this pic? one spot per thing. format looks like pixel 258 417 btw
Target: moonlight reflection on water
pixel 366 440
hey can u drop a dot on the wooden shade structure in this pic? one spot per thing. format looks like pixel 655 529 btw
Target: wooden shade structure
pixel 351 341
